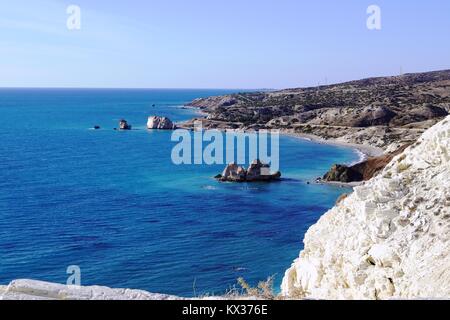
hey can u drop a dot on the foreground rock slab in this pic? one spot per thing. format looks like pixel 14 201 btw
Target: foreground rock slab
pixel 390 238
pixel 39 290
pixel 26 289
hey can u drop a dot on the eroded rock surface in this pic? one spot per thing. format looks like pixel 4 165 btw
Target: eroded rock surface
pixel 161 123
pixel 39 290
pixel 390 238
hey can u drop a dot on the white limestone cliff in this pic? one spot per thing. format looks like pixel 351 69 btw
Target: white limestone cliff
pixel 390 238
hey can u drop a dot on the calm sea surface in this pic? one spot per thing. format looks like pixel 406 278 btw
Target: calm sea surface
pixel 114 204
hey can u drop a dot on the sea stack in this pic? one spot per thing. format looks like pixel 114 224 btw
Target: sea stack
pixel 256 172
pixel 123 125
pixel 160 123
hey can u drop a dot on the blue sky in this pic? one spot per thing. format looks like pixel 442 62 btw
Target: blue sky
pixel 217 43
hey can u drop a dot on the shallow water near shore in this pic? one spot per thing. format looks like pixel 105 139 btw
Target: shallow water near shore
pixel 114 204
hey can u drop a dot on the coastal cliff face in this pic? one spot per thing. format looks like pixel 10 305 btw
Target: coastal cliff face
pixel 390 238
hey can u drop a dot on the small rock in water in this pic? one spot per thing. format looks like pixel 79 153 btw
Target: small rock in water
pixel 97 127
pixel 123 125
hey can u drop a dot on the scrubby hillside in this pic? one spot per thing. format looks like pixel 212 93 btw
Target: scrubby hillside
pixel 379 111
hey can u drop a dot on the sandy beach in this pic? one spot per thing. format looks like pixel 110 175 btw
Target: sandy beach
pixel 367 151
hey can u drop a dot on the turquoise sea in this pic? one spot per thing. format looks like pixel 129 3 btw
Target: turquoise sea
pixel 114 204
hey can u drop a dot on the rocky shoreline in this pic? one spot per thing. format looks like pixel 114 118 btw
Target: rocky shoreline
pixel 375 116
pixel 366 151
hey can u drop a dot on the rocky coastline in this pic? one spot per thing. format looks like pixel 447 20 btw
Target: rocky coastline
pixel 376 116
pixel 389 238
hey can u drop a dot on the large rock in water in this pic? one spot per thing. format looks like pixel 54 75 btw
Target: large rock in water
pixel 390 238
pixel 257 171
pixel 161 123
pixel 233 173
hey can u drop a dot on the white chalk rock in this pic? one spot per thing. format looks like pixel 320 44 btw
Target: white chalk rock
pixel 390 238
pixel 39 290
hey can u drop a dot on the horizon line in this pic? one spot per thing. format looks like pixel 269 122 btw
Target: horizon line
pixel 236 89
pixel 137 88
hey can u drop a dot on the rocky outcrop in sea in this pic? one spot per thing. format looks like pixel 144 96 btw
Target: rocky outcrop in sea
pixel 161 123
pixel 123 125
pixel 390 238
pixel 256 172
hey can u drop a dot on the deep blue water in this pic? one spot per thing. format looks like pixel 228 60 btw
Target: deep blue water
pixel 113 203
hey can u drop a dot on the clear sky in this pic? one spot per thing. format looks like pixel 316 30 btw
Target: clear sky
pixel 217 43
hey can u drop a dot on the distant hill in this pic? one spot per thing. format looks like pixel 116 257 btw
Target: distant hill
pixel 407 103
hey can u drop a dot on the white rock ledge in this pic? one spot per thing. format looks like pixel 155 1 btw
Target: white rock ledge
pixel 390 238
pixel 39 290
pixel 25 289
